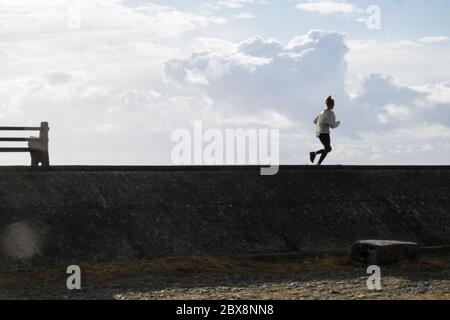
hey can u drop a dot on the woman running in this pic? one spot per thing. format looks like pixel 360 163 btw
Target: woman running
pixel 324 122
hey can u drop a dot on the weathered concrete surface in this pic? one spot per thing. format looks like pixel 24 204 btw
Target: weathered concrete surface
pixel 107 213
pixel 380 252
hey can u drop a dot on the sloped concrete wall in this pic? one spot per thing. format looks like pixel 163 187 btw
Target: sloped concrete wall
pixel 108 213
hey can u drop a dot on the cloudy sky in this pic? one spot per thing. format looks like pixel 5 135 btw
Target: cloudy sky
pixel 115 78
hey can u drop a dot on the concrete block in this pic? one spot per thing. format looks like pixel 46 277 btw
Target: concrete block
pixel 379 252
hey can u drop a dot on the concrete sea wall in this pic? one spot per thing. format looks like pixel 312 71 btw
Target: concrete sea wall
pixel 66 214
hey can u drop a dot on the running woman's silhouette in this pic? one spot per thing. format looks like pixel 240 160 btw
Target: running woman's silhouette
pixel 324 122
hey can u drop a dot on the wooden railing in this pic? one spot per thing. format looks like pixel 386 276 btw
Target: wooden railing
pixel 37 146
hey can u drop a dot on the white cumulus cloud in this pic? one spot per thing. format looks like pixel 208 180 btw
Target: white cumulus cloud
pixel 328 7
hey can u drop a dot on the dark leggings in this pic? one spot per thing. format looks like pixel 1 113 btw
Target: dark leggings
pixel 326 141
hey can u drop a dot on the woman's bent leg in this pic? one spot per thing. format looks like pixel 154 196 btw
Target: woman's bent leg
pixel 326 141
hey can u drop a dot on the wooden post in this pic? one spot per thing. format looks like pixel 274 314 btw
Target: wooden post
pixel 39 147
pixel 43 136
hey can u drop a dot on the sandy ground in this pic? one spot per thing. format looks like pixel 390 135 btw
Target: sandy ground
pixel 287 277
